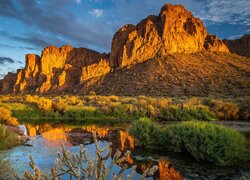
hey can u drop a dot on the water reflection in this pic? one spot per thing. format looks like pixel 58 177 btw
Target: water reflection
pixel 46 140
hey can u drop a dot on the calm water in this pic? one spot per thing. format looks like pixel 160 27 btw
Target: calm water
pixel 47 138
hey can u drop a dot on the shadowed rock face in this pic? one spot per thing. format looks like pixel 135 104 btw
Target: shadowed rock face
pixel 139 62
pixel 239 46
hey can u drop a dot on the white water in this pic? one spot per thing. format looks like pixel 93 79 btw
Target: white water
pixel 23 129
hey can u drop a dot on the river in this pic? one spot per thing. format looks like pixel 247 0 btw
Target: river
pixel 46 139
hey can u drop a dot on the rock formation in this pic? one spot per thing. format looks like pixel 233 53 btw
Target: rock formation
pixel 157 45
pixel 239 46
pixel 59 69
pixel 175 30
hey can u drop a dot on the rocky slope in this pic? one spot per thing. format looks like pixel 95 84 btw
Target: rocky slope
pixel 168 54
pixel 239 46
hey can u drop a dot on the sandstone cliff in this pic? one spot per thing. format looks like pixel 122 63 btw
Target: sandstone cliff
pixel 239 46
pixel 174 30
pixel 168 54
pixel 59 69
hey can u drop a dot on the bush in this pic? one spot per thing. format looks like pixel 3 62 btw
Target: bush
pixel 224 110
pixel 175 114
pixel 8 138
pixel 145 131
pixel 44 104
pixel 204 141
pixel 73 100
pixel 6 117
pixel 179 114
pixel 59 107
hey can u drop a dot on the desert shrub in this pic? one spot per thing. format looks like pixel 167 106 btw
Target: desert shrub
pixel 44 104
pixel 244 106
pixel 59 107
pixel 142 102
pixel 8 138
pixel 146 132
pixel 191 103
pixel 31 99
pixel 73 100
pixel 180 114
pixel 202 140
pixel 164 103
pixel 224 110
pixel 6 117
pixel 116 112
pixel 175 114
pixel 92 93
pixel 114 98
pixel 203 114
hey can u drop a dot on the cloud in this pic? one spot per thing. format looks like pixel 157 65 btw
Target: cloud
pixel 96 12
pixel 4 60
pixel 64 22
pixel 17 47
pixel 225 11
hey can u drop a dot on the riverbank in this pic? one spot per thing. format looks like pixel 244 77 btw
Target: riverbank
pixel 114 109
pixel 11 136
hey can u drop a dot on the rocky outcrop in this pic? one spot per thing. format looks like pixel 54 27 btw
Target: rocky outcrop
pixel 239 46
pixel 175 30
pixel 58 69
pixel 8 82
pixel 28 77
pixel 147 58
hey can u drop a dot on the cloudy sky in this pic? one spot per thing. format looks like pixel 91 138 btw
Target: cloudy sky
pixel 27 26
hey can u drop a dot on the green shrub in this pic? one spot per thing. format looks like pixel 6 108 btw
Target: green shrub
pixel 203 114
pixel 145 131
pixel 8 138
pixel 179 114
pixel 204 141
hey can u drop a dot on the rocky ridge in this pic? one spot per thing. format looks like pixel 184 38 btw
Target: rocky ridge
pixel 173 33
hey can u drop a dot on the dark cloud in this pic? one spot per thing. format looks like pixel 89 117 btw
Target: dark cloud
pixel 17 47
pixel 4 60
pixel 52 18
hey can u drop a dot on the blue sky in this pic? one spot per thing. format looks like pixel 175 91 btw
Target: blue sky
pixel 27 26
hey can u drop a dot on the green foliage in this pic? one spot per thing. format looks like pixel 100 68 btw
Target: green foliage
pixel 91 107
pixel 204 141
pixel 8 138
pixel 145 131
pixel 179 114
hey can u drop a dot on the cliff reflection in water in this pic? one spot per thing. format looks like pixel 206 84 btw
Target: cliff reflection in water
pixel 55 135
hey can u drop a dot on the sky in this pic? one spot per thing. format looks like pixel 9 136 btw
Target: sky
pixel 27 26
